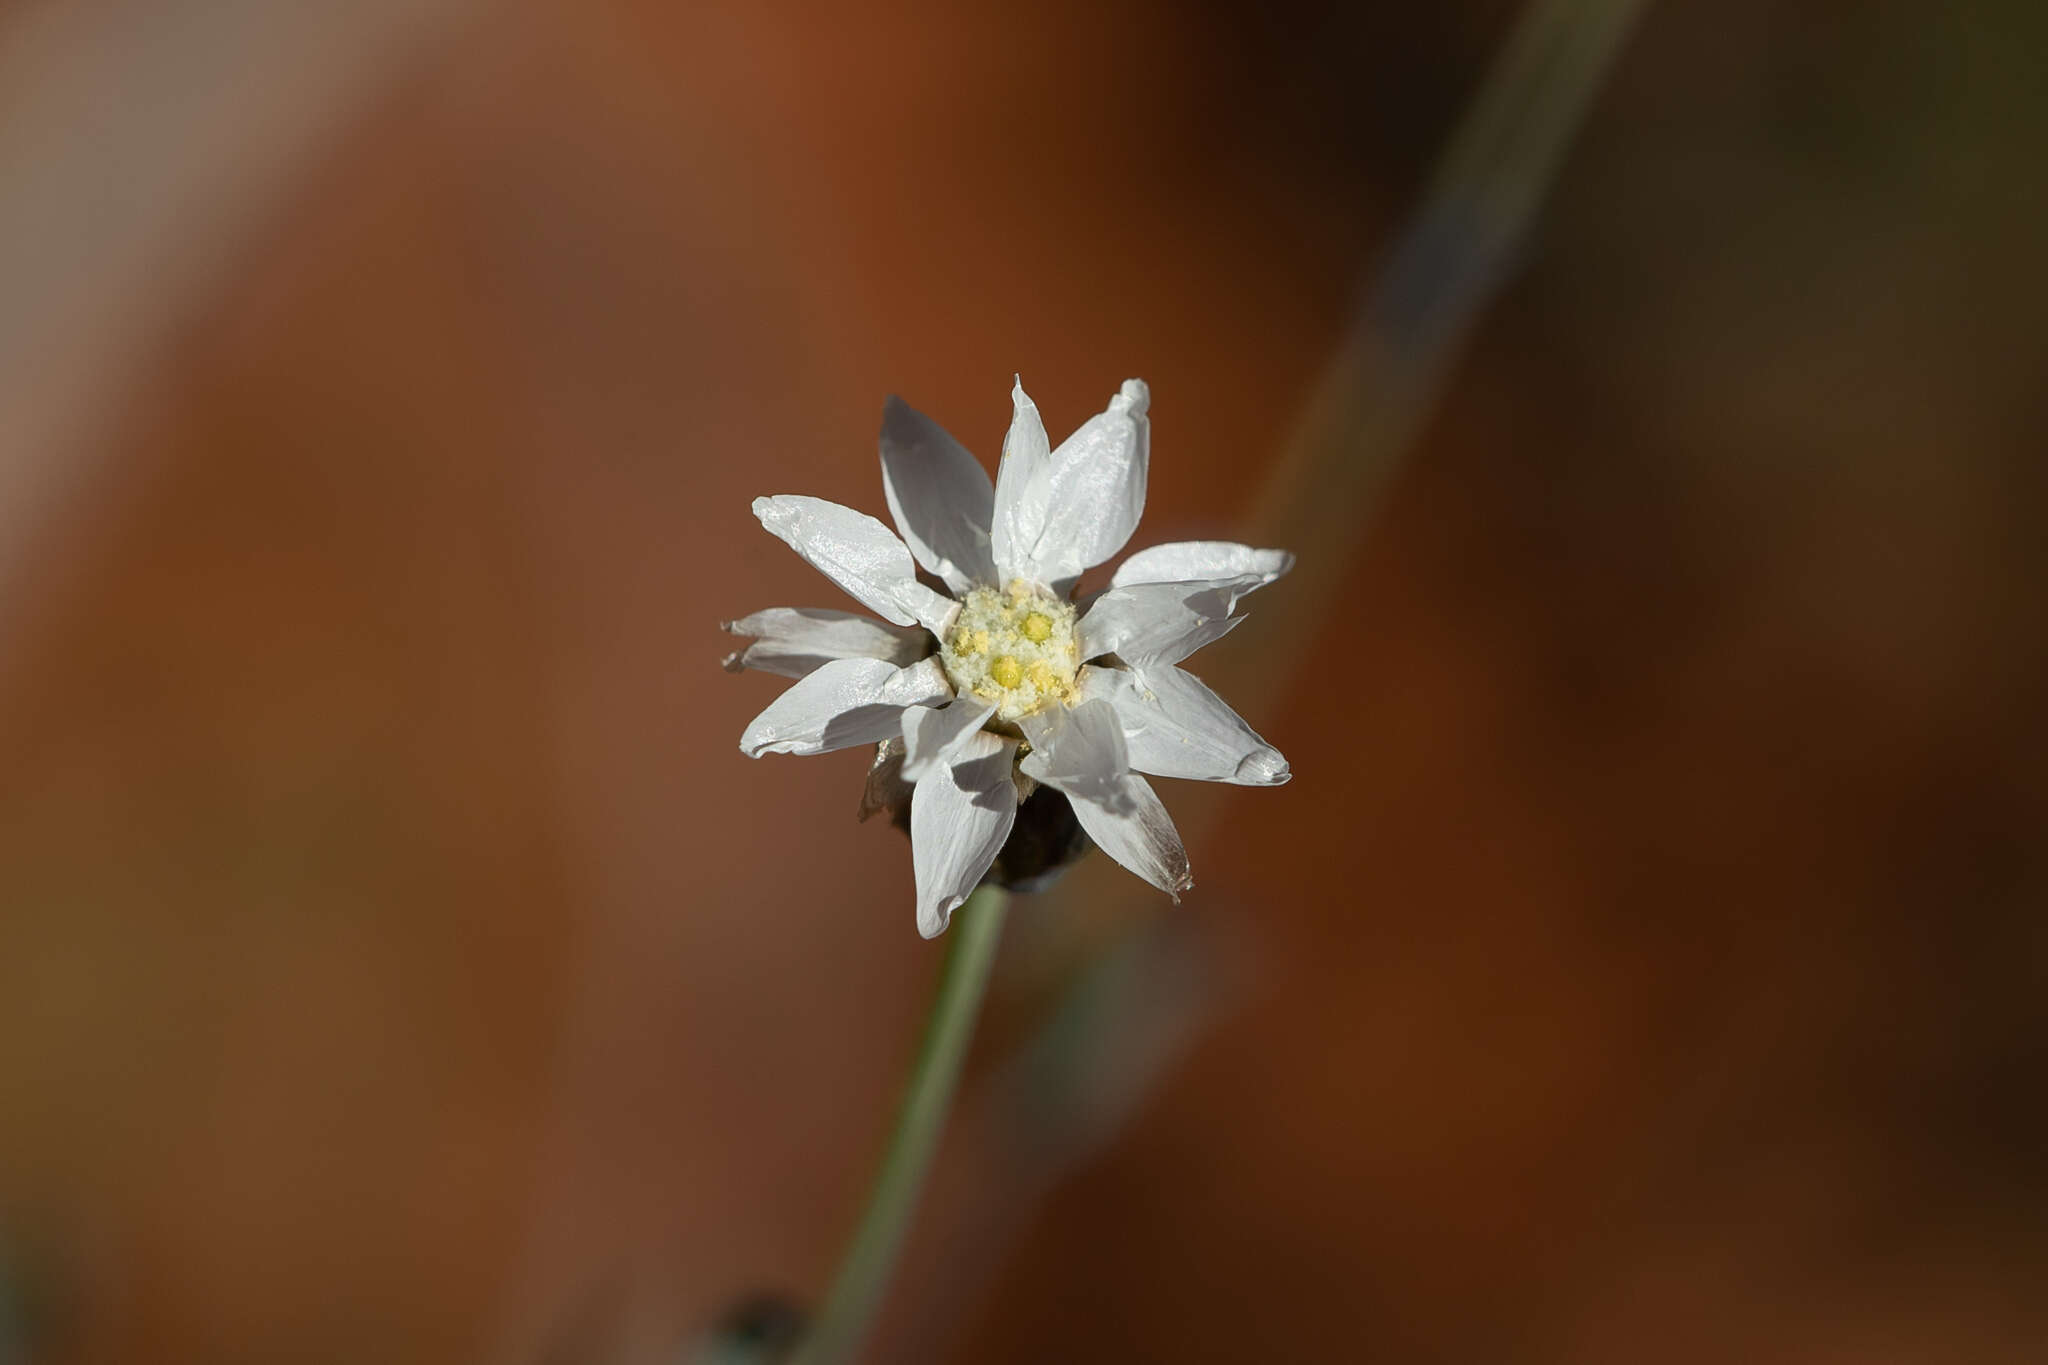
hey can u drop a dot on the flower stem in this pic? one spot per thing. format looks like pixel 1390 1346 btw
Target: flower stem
pixel 856 1294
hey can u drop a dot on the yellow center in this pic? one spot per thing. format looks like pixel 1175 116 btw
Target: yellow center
pixel 1014 647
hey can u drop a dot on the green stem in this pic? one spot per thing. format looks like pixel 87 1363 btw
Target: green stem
pixel 856 1294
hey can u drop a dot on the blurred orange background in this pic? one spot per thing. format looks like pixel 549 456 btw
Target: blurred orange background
pixel 400 962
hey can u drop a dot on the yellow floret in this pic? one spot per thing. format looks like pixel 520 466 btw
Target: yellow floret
pixel 1015 647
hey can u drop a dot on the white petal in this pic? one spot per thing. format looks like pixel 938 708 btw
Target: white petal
pixel 859 554
pixel 1174 726
pixel 939 495
pixel 1134 828
pixel 1078 749
pixel 844 703
pixel 934 735
pixel 1184 560
pixel 1026 452
pixel 1081 752
pixel 1075 507
pixel 960 815
pixel 793 641
pixel 1161 622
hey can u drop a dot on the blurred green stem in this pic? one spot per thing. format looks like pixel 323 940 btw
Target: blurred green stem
pixel 856 1294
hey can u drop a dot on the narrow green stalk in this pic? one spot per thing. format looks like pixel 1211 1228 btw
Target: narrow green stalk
pixel 856 1295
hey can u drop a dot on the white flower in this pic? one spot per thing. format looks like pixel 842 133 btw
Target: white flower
pixel 1007 682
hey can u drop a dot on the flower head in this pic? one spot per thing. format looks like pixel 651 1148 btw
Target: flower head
pixel 980 694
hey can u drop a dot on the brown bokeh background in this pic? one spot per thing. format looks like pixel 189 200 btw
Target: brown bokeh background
pixel 399 961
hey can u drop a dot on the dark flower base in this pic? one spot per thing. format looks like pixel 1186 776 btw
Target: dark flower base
pixel 1045 841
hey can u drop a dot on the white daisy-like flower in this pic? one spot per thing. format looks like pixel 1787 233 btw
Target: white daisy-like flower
pixel 978 694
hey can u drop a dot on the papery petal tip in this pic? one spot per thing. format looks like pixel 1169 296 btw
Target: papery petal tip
pixel 1265 769
pixel 1135 397
pixel 935 924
